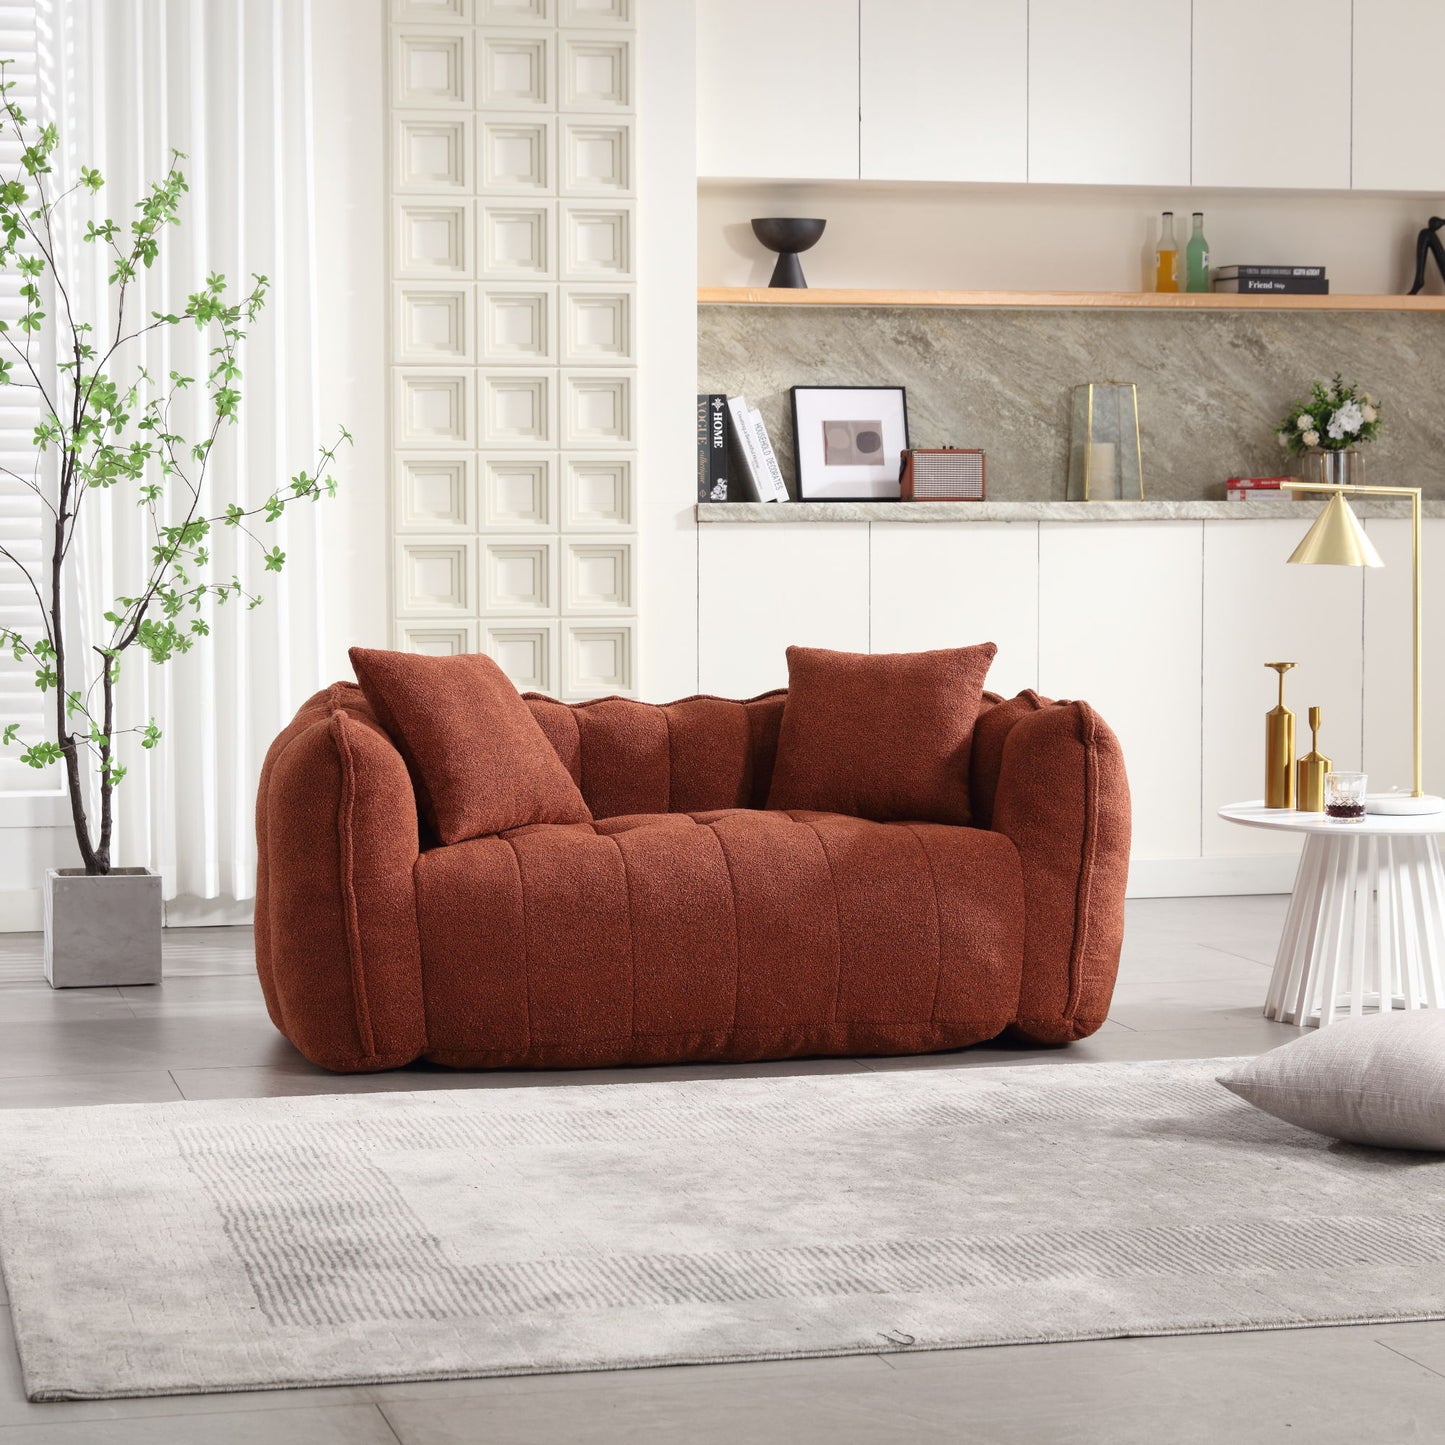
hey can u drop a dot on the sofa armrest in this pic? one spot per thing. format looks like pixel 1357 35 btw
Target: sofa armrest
pixel 337 947
pixel 1063 799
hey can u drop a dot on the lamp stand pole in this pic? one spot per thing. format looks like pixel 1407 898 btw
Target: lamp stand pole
pixel 1417 800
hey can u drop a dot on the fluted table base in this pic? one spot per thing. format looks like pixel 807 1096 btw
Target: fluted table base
pixel 1365 930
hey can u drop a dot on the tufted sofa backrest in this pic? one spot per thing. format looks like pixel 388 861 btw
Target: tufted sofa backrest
pixel 679 757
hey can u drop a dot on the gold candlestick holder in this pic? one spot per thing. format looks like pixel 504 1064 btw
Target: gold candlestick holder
pixel 1310 772
pixel 1279 779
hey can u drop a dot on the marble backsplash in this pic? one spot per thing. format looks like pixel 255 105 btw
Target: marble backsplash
pixel 1212 385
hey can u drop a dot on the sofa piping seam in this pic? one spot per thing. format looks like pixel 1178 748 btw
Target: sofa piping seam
pixel 526 941
pixel 937 927
pixel 737 926
pixel 1087 853
pixel 837 916
pixel 345 838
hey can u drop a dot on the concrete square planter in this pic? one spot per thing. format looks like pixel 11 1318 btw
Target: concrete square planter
pixel 102 931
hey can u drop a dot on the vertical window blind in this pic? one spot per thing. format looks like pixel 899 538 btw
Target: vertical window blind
pixel 23 516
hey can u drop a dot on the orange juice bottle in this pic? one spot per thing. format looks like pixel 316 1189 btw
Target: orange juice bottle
pixel 1166 256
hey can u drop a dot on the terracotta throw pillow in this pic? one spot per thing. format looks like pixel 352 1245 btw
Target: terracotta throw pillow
pixel 884 736
pixel 478 759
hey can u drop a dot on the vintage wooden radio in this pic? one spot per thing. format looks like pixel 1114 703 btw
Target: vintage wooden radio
pixel 941 474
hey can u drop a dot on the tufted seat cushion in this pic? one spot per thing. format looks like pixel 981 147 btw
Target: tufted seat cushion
pixel 729 934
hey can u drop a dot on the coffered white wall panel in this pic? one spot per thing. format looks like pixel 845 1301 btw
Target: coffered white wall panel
pixel 513 336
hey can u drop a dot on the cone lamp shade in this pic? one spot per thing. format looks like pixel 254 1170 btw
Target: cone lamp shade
pixel 1337 539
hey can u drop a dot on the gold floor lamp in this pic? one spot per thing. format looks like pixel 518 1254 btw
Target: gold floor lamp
pixel 1337 539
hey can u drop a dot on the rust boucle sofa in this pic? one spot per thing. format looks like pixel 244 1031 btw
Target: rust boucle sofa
pixel 685 921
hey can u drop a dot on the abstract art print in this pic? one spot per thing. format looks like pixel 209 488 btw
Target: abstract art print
pixel 848 441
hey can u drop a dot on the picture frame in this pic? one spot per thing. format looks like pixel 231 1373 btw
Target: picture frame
pixel 848 442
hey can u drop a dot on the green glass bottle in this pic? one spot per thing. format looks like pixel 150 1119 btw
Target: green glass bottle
pixel 1196 258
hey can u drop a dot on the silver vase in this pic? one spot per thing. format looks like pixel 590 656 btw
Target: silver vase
pixel 1344 468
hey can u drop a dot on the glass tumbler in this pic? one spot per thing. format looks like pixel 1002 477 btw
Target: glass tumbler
pixel 1345 797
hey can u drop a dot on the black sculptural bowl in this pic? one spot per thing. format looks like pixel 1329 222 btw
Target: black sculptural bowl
pixel 787 235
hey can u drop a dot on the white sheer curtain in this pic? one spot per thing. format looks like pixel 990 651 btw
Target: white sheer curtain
pixel 227 82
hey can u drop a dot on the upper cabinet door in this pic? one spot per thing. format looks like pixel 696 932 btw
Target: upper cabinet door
pixel 1109 92
pixel 777 89
pixel 1272 93
pixel 1397 144
pixel 944 89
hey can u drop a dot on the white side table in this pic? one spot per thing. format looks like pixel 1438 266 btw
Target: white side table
pixel 1366 922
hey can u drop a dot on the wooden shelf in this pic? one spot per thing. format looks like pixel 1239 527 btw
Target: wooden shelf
pixel 1117 300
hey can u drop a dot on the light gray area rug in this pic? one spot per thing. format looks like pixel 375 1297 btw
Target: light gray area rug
pixel 171 1248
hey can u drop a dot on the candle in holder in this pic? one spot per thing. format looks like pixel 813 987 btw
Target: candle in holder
pixel 1100 461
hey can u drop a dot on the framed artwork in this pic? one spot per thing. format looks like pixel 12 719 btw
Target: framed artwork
pixel 848 442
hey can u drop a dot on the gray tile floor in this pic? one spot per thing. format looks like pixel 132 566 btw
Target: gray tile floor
pixel 1191 986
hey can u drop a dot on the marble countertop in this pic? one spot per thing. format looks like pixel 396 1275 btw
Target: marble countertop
pixel 1191 511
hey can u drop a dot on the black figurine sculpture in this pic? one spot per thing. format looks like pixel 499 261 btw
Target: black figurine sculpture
pixel 787 235
pixel 1427 243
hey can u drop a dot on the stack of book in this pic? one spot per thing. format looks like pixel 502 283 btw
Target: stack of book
pixel 1272 280
pixel 735 457
pixel 1255 489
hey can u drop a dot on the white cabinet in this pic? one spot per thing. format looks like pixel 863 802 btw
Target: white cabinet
pixel 764 587
pixel 1109 92
pixel 953 584
pixel 1257 609
pixel 944 90
pixel 1119 625
pixel 1389 729
pixel 777 89
pixel 1272 93
pixel 1396 144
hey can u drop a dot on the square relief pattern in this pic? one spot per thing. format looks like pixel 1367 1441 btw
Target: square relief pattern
pixel 433 153
pixel 597 326
pixel 434 323
pixel 519 492
pixel 431 10
pixel 596 157
pixel 514 71
pixel 432 68
pixel 438 638
pixel 435 576
pixel 435 492
pixel 596 576
pixel 519 574
pixel 434 240
pixel 518 409
pixel 597 242
pixel 517 241
pixel 516 154
pixel 596 12
pixel 597 409
pixel 596 72
pixel 518 324
pixel 433 408
pixel 597 493
pixel 597 658
pixel 526 650
pixel 516 12
pixel 503 543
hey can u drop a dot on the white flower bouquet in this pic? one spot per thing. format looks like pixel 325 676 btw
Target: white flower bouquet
pixel 1331 418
